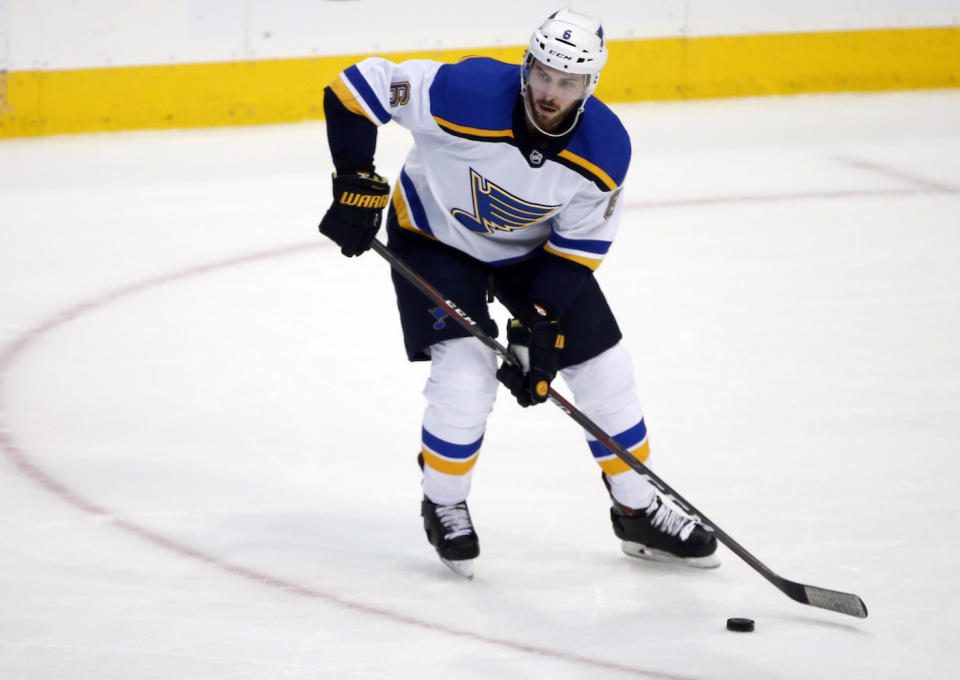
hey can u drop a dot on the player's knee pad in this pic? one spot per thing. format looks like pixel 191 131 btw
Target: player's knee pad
pixel 461 389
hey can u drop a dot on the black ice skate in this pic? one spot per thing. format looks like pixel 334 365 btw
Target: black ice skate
pixel 660 533
pixel 450 531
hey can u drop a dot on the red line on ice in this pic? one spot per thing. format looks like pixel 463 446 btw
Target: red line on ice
pixel 778 198
pixel 22 461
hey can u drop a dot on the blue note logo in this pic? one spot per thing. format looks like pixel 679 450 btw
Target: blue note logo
pixel 495 209
pixel 439 314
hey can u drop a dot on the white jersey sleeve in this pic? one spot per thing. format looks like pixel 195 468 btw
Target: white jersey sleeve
pixel 382 90
pixel 585 229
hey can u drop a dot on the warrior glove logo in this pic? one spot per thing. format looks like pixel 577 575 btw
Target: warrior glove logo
pixel 352 198
pixel 495 209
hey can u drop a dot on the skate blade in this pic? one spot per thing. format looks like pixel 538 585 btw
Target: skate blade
pixel 462 568
pixel 643 552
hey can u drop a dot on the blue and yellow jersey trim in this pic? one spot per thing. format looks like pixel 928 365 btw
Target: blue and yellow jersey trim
pixel 600 148
pixel 347 99
pixel 587 252
pixel 634 440
pixel 478 134
pixel 474 99
pixel 409 207
pixel 403 214
pixel 355 93
pixel 452 459
pixel 591 171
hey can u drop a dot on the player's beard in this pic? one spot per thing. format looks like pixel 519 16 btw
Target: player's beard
pixel 549 121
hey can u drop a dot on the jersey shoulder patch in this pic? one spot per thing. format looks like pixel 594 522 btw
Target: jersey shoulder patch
pixel 600 148
pixel 474 98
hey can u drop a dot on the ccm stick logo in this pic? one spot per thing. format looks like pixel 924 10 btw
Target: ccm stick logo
pixel 462 314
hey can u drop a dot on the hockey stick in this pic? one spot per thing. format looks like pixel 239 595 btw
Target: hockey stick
pixel 844 603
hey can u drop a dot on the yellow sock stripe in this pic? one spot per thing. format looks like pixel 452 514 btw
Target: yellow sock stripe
pixel 614 466
pixel 642 452
pixel 348 99
pixel 448 466
pixel 285 90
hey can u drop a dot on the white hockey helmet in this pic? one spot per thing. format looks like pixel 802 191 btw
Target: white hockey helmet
pixel 571 42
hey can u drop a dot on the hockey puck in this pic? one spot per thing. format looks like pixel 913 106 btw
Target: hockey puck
pixel 740 625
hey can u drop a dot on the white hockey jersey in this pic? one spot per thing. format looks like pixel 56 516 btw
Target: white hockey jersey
pixel 474 179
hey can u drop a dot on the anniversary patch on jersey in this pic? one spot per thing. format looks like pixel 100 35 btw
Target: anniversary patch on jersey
pixel 496 209
pixel 612 204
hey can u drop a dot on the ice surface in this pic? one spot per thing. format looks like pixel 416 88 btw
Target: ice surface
pixel 208 428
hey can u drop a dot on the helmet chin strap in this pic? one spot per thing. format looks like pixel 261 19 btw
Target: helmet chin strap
pixel 526 106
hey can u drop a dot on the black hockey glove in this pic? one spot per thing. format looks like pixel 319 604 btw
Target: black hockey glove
pixel 536 342
pixel 354 218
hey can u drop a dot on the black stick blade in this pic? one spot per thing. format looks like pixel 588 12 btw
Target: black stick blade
pixel 844 603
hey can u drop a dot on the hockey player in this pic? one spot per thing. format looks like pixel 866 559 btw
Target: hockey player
pixel 511 191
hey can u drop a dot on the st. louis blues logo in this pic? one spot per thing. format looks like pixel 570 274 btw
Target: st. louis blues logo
pixel 495 209
pixel 440 314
